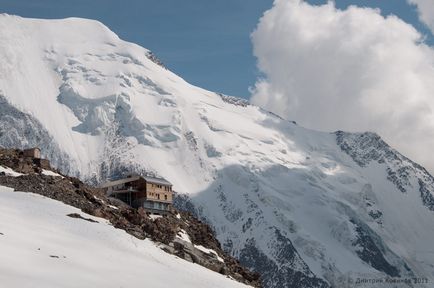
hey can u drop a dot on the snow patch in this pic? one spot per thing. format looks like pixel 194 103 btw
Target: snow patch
pixel 183 236
pixel 209 251
pixel 153 216
pixel 9 172
pixel 50 173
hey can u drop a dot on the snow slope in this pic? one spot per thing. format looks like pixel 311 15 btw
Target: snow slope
pixel 41 247
pixel 303 207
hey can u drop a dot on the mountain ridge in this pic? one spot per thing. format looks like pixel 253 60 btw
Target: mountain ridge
pixel 320 209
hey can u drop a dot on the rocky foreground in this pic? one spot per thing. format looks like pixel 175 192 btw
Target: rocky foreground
pixel 178 233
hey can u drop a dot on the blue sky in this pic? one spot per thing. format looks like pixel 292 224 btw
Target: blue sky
pixel 205 42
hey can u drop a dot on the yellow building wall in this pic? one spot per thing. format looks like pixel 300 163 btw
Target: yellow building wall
pixel 153 190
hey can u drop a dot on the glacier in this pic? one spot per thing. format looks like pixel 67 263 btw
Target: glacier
pixel 302 207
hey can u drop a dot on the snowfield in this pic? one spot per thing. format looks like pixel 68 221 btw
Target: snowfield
pixel 304 208
pixel 42 247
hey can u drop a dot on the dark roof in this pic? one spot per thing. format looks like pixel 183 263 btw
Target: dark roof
pixel 154 180
pixel 32 149
pixel 120 181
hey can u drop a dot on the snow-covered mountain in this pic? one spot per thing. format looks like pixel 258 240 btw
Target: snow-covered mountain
pixel 304 208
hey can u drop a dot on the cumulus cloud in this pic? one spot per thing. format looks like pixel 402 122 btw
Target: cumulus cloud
pixel 351 69
pixel 425 9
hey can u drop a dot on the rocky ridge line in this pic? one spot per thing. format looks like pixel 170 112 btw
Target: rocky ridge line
pixel 368 147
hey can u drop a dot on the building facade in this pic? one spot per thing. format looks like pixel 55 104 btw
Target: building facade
pixel 32 153
pixel 155 195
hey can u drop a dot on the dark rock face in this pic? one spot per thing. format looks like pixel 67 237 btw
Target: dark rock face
pixel 251 256
pixel 365 148
pixel 372 252
pixel 285 268
pixel 234 100
pixel 426 191
pixel 151 56
pixel 136 222
pixel 376 214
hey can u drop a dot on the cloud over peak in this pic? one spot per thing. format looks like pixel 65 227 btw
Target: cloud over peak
pixel 351 69
pixel 425 9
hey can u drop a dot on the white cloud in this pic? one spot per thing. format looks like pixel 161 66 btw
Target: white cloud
pixel 425 9
pixel 352 69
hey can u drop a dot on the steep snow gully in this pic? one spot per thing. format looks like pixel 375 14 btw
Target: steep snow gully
pixel 301 207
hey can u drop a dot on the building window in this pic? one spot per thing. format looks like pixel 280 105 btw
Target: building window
pixel 158 196
pixel 165 197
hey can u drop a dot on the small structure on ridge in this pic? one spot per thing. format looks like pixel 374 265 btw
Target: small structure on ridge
pixel 34 155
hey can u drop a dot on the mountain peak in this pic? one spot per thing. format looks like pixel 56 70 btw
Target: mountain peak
pixel 311 205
